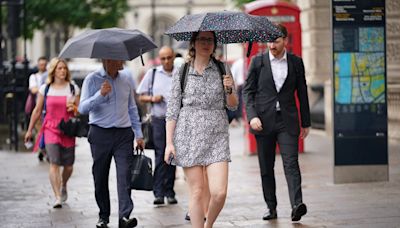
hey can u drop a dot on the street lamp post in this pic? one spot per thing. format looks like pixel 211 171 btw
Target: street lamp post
pixel 153 25
pixel 13 30
pixel 189 7
pixel 10 88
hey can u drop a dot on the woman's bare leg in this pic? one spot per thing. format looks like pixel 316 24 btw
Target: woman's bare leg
pixel 195 182
pixel 66 174
pixel 218 183
pixel 55 179
pixel 206 193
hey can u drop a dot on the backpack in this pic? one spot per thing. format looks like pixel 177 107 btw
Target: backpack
pixel 221 69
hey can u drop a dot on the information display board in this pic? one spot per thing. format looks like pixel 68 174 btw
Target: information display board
pixel 359 82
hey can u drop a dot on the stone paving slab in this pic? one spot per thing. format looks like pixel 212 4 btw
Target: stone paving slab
pixel 26 197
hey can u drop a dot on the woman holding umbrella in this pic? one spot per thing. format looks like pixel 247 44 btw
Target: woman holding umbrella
pixel 197 127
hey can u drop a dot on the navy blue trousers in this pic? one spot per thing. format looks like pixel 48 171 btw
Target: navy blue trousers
pixel 164 174
pixel 106 143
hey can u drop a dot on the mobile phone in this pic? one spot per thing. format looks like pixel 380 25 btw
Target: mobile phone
pixel 28 145
pixel 171 157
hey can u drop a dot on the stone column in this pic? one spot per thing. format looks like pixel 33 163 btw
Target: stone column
pixel 393 67
pixel 317 54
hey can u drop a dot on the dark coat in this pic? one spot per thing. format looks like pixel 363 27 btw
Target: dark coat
pixel 260 95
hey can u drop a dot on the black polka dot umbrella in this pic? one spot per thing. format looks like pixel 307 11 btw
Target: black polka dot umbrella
pixel 229 27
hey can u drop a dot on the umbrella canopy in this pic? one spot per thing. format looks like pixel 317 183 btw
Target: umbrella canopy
pixel 110 43
pixel 229 27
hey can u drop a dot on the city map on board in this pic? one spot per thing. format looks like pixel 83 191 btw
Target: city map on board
pixel 360 76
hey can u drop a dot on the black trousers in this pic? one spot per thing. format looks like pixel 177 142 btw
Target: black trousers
pixel 106 143
pixel 288 145
pixel 164 174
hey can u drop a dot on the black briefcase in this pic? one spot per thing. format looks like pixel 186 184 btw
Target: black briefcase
pixel 142 172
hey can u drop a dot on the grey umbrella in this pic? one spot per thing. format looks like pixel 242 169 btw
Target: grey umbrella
pixel 110 43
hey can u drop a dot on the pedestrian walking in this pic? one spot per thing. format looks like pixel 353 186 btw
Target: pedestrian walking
pixel 237 70
pixel 57 99
pixel 154 89
pixel 36 80
pixel 197 127
pixel 269 95
pixel 108 98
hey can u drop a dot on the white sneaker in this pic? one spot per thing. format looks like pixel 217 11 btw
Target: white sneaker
pixel 57 204
pixel 64 194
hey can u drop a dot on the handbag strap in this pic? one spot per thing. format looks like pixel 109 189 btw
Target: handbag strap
pixel 46 91
pixel 138 151
pixel 222 72
pixel 150 91
pixel 152 82
pixel 72 88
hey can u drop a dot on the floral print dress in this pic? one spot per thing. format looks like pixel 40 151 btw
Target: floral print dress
pixel 201 135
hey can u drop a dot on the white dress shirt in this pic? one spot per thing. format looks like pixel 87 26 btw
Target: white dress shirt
pixel 161 86
pixel 238 71
pixel 279 69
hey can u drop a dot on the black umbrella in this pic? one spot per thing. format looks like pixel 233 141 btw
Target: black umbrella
pixel 229 27
pixel 110 43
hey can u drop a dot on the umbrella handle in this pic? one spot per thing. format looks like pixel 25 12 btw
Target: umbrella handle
pixel 141 58
pixel 249 49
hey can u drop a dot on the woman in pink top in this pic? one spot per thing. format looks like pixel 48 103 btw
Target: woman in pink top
pixel 61 102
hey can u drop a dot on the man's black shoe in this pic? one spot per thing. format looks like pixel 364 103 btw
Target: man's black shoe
pixel 172 200
pixel 271 214
pixel 127 223
pixel 298 211
pixel 158 201
pixel 102 223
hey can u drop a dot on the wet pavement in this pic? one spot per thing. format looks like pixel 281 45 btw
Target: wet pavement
pixel 26 197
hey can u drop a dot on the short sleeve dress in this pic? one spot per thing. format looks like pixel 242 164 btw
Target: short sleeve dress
pixel 201 135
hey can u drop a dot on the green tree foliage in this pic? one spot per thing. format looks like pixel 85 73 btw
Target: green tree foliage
pixel 240 3
pixel 73 13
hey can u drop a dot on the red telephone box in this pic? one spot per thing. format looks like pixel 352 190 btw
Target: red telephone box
pixel 278 12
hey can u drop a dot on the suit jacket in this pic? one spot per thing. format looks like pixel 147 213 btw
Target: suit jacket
pixel 260 95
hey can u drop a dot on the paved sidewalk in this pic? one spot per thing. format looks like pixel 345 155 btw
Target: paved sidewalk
pixel 26 197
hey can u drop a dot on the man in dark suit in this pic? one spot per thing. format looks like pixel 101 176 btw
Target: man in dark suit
pixel 269 94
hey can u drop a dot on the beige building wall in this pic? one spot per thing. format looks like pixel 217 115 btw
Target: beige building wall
pixel 393 66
